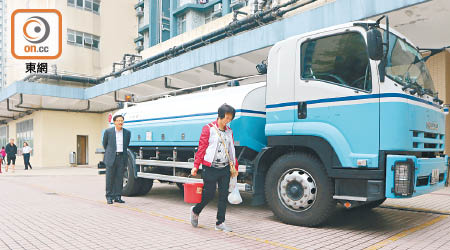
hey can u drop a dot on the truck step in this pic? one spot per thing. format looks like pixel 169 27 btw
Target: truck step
pixel 179 179
pixel 350 198
pixel 177 164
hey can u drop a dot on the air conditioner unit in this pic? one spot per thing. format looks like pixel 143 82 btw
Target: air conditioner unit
pixel 139 48
pixel 217 11
pixel 139 11
pixel 237 4
pixel 218 7
pixel 139 45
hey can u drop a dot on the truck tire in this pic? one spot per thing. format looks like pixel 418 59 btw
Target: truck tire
pixel 145 186
pixel 299 191
pixel 131 185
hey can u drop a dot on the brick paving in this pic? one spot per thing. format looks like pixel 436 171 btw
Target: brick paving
pixel 437 201
pixel 64 208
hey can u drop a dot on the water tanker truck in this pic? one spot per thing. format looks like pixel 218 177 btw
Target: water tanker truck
pixel 346 114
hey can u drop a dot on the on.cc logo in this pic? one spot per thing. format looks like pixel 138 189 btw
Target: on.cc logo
pixel 36 34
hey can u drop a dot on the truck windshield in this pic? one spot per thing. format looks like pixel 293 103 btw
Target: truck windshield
pixel 405 65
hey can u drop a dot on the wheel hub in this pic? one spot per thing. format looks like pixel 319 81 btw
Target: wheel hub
pixel 294 190
pixel 297 190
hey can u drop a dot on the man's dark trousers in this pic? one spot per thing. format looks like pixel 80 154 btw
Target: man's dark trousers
pixel 212 176
pixel 114 178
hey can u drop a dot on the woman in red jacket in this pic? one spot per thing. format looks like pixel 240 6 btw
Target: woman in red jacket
pixel 216 153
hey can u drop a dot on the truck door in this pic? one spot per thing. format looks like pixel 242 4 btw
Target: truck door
pixel 280 90
pixel 337 96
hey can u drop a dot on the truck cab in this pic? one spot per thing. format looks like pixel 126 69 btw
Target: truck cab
pixel 373 126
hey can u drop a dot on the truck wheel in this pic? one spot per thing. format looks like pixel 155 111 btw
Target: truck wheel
pixel 145 186
pixel 371 204
pixel 299 191
pixel 131 185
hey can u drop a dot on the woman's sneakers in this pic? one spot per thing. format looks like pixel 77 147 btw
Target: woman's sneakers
pixel 194 218
pixel 223 227
pixel 194 222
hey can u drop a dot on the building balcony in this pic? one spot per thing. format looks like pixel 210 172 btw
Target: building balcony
pixel 195 6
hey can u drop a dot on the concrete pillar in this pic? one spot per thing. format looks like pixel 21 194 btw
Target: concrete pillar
pixel 439 66
pixel 173 19
pixel 154 23
pixel 226 7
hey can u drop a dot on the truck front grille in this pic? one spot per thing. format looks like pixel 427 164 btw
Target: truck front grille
pixel 426 141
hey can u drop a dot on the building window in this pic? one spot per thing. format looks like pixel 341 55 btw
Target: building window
pixel 89 5
pixel 79 38
pixel 3 136
pixel 96 6
pixel 24 132
pixel 340 59
pixel 182 24
pixel 70 36
pixel 88 41
pixel 95 42
pixel 83 39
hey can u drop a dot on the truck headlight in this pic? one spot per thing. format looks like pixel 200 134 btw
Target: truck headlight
pixel 404 178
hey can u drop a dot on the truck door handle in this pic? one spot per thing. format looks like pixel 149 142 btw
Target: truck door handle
pixel 302 110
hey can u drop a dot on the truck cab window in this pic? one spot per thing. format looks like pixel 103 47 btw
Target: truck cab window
pixel 339 59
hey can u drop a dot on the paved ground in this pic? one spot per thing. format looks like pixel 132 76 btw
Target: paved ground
pixel 64 208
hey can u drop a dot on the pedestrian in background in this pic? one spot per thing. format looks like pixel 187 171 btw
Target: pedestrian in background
pixel 115 141
pixel 217 156
pixel 26 151
pixel 11 151
pixel 1 163
pixel 3 154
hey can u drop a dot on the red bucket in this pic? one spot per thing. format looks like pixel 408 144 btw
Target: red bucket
pixel 193 192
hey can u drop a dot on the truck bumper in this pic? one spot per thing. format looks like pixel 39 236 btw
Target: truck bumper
pixel 409 176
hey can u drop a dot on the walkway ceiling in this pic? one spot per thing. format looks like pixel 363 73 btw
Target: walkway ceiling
pixel 424 24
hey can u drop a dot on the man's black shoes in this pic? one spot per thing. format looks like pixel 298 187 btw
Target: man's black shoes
pixel 119 200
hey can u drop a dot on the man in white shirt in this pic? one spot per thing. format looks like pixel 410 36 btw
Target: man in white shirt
pixel 115 141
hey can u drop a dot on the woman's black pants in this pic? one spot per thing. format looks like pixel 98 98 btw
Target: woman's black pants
pixel 212 176
pixel 26 160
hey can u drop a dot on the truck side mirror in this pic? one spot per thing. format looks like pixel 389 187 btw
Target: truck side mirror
pixel 375 44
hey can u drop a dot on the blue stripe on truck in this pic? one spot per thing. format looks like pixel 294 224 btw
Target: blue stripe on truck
pixel 351 98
